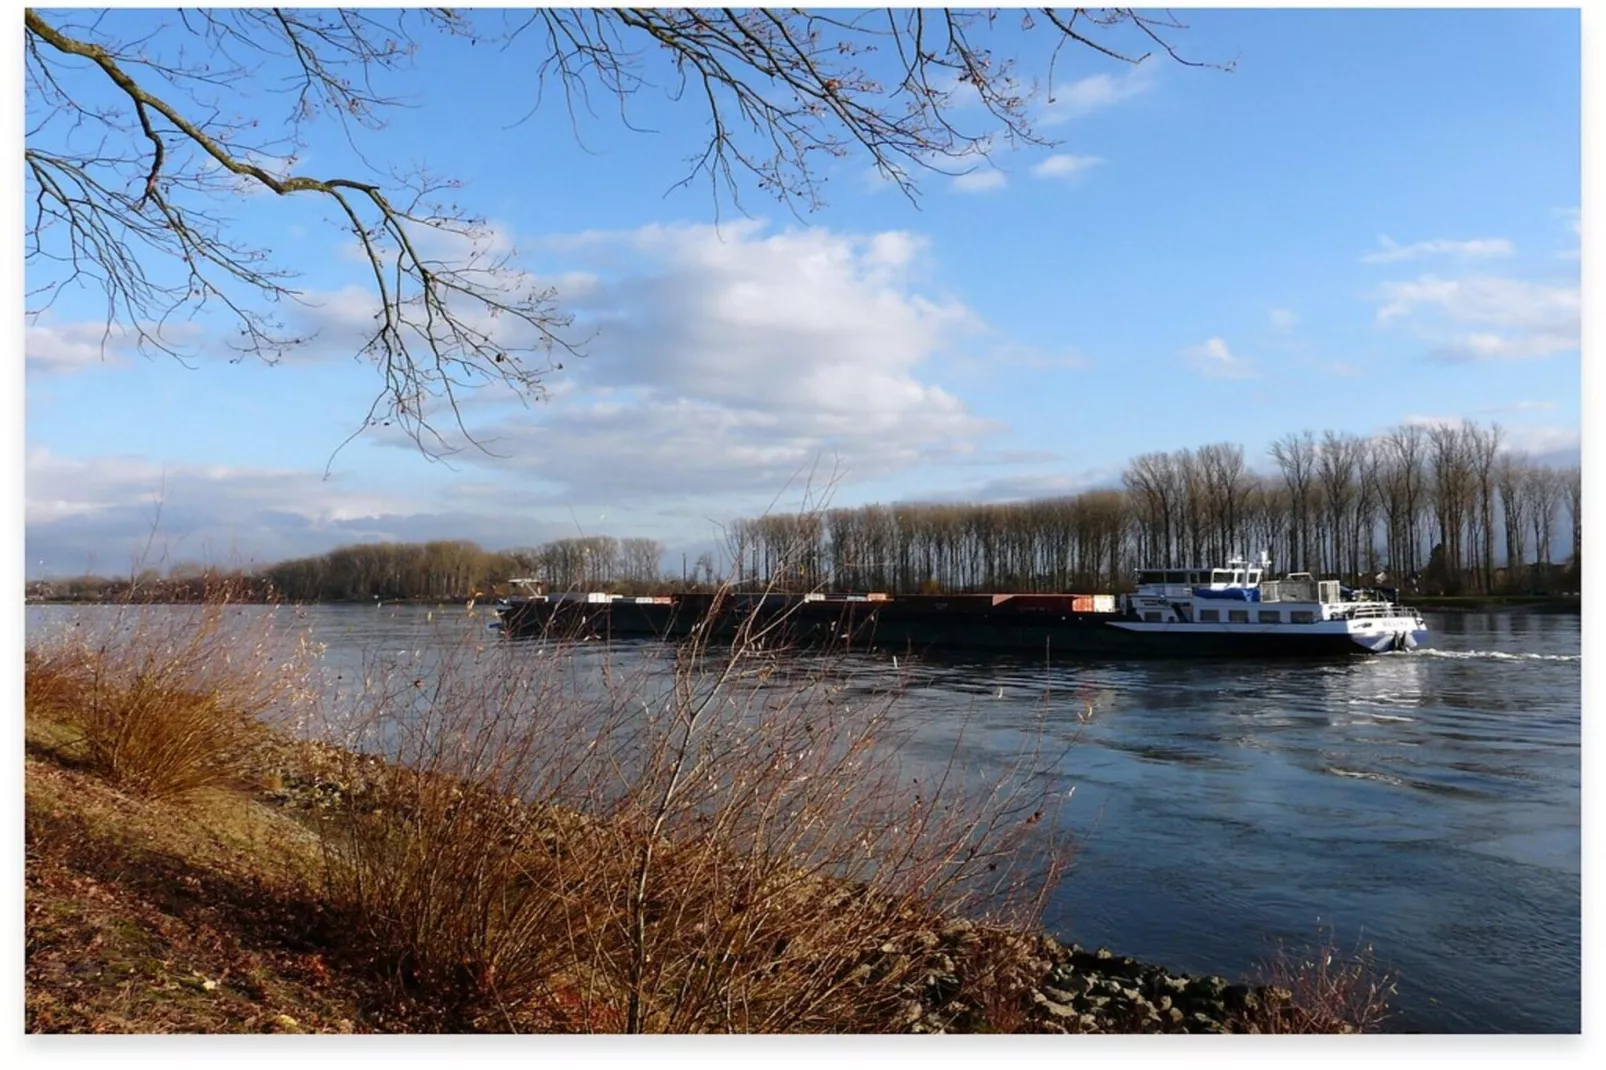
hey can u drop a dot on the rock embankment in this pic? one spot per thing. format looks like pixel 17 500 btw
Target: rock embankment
pixel 965 977
pixel 1038 985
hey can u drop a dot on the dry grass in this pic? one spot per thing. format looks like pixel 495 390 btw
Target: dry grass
pixel 170 916
pixel 715 841
pixel 164 700
pixel 520 837
pixel 1323 990
pixel 722 841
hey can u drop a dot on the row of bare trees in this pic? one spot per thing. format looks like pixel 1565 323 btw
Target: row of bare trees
pixel 1053 544
pixel 459 569
pixel 1440 509
pixel 440 570
pixel 1437 510
pixel 365 571
pixel 1444 504
pixel 443 570
pixel 591 563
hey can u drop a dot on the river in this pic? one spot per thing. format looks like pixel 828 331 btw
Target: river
pixel 1426 803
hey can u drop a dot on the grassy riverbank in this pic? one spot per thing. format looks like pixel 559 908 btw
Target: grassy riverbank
pixel 190 869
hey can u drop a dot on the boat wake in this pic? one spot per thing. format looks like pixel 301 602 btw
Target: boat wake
pixel 1482 655
pixel 1356 774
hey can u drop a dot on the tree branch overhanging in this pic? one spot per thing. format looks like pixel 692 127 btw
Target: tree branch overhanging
pixel 134 143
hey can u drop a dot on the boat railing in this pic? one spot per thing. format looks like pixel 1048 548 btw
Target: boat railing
pixel 1286 590
pixel 1379 609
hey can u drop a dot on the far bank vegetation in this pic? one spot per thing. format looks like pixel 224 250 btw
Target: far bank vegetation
pixel 1436 510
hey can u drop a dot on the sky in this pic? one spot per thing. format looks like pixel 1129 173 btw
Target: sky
pixel 1371 219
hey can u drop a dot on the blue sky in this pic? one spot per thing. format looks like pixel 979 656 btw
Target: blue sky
pixel 1372 219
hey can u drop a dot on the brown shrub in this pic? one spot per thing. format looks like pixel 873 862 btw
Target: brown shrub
pixel 163 700
pixel 1323 990
pixel 721 840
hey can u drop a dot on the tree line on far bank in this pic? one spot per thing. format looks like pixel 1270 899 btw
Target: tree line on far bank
pixel 1440 510
pixel 441 570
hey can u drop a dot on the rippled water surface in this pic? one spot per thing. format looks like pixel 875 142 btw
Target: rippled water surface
pixel 1426 802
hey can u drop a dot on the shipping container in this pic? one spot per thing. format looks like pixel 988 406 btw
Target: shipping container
pixel 1041 603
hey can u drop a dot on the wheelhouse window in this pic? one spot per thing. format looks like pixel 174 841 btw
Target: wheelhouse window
pixel 1301 616
pixel 1209 615
pixel 1220 575
pixel 1270 616
pixel 1152 617
pixel 1238 616
pixel 1151 577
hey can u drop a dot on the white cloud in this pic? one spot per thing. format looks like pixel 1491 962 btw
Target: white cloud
pixel 54 347
pixel 1491 345
pixel 1064 165
pixel 1096 91
pixel 1391 251
pixel 1284 319
pixel 726 360
pixel 981 180
pixel 1420 420
pixel 1575 224
pixel 63 348
pixel 1523 406
pixel 1214 359
pixel 1540 441
pixel 1028 486
pixel 96 514
pixel 60 486
pixel 1512 319
pixel 1551 443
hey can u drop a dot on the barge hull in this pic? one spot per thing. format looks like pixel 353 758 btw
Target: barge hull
pixel 907 626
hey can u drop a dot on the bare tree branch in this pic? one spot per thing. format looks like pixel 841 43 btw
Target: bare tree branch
pixel 135 141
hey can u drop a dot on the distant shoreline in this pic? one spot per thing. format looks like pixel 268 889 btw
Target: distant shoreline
pixel 1478 603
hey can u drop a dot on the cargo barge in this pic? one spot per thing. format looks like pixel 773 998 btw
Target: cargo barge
pixel 1198 612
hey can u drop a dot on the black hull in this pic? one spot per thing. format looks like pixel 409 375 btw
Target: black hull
pixel 901 628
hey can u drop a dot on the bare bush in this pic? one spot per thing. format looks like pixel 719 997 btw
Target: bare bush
pixel 163 699
pixel 1324 990
pixel 720 839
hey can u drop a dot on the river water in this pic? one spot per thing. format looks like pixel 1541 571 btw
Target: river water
pixel 1424 803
